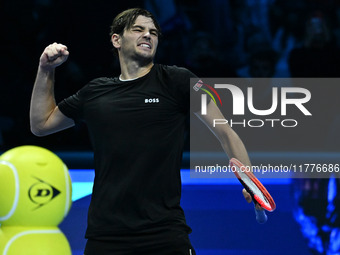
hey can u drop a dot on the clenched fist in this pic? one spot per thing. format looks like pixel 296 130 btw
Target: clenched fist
pixel 54 55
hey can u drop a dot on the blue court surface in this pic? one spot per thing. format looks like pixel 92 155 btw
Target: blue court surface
pixel 222 222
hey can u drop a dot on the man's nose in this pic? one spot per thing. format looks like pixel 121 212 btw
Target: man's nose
pixel 147 35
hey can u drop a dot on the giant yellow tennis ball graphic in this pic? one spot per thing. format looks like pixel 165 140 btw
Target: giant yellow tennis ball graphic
pixel 35 187
pixel 33 241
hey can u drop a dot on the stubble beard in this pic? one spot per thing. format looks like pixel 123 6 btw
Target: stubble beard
pixel 143 59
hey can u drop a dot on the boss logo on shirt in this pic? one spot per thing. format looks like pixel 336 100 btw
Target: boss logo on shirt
pixel 151 100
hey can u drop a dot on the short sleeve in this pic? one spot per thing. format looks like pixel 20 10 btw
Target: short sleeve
pixel 72 106
pixel 181 79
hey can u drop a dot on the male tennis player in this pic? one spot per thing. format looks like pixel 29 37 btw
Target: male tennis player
pixel 136 124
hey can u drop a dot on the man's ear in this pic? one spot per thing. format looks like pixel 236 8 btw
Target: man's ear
pixel 116 39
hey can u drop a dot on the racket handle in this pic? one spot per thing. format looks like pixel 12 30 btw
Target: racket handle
pixel 261 216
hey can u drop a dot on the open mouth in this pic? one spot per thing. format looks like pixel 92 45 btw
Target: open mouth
pixel 145 45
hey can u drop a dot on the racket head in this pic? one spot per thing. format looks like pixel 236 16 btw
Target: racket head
pixel 252 185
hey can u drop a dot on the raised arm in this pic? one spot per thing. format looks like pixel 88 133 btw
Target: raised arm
pixel 230 141
pixel 45 117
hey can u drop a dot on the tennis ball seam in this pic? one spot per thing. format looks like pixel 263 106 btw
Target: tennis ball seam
pixel 17 185
pixel 17 236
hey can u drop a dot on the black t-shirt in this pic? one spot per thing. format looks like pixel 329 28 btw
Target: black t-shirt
pixel 136 128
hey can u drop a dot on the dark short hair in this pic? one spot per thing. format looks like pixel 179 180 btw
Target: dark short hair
pixel 126 19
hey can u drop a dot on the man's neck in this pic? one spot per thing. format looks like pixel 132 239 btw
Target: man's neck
pixel 134 70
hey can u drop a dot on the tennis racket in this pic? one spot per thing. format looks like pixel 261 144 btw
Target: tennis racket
pixel 254 187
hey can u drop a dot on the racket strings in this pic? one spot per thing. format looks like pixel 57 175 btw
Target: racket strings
pixel 253 185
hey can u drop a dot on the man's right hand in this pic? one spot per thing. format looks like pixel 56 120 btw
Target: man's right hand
pixel 54 55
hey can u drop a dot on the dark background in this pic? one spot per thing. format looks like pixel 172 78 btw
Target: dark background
pixel 235 38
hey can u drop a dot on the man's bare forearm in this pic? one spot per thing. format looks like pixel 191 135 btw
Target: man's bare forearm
pixel 229 139
pixel 45 117
pixel 234 147
pixel 42 101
